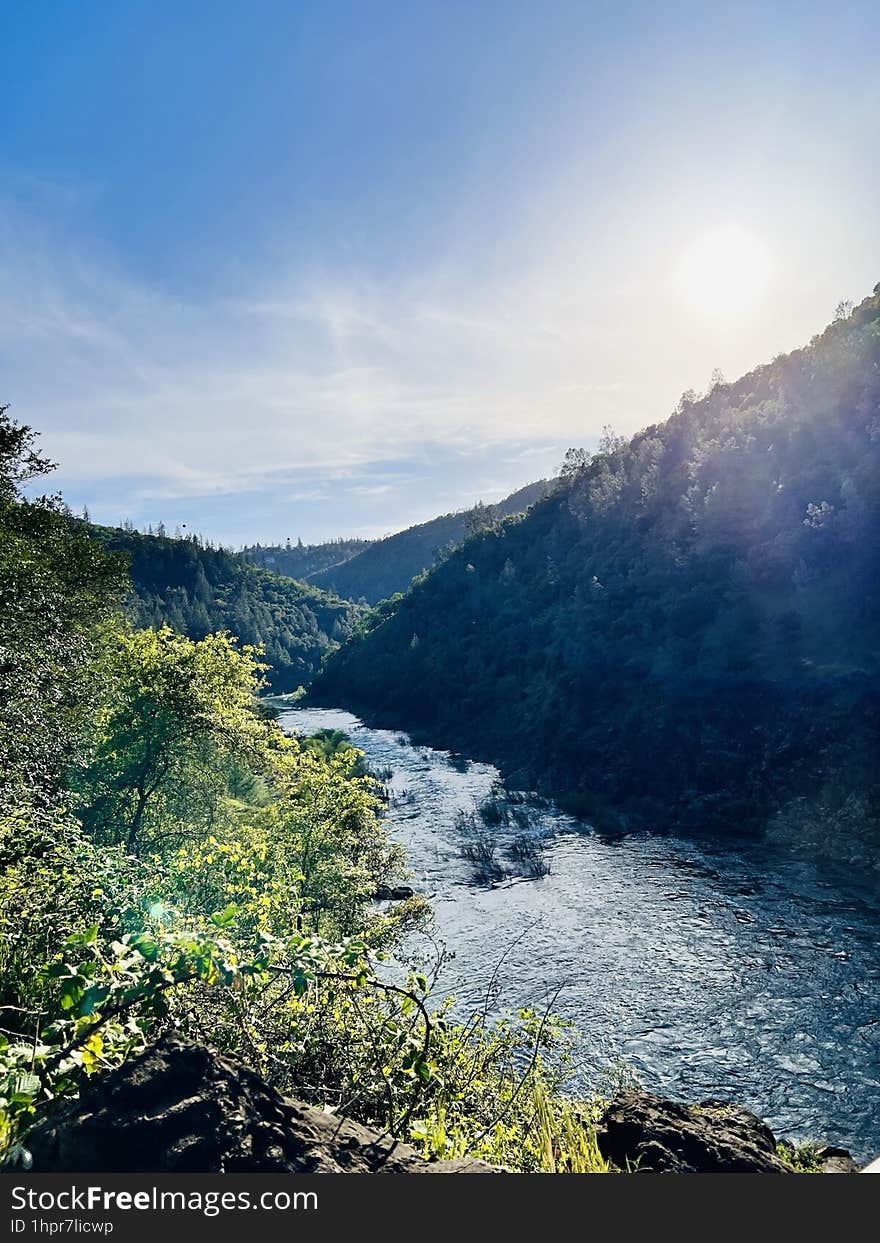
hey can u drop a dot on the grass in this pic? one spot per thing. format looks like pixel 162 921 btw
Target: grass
pixel 565 1137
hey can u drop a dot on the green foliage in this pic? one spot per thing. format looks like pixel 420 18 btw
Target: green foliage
pixel 309 859
pixel 497 1094
pixel 55 883
pixel 331 742
pixel 102 1001
pixel 99 948
pixel 803 1158
pixel 687 631
pixel 562 1134
pixel 177 719
pixel 204 840
pixel 20 460
pixel 198 589
pixel 55 591
pixel 217 875
pixel 327 825
pixel 260 938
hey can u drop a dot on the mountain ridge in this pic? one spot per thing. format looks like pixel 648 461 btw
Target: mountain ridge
pixel 686 629
pixel 389 565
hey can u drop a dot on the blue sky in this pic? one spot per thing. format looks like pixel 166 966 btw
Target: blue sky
pixel 316 269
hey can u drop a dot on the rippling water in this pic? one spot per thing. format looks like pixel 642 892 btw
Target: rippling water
pixel 710 969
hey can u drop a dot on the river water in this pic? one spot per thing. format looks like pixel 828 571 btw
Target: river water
pixel 708 969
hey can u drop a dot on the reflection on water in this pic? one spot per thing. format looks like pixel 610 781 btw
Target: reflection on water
pixel 710 969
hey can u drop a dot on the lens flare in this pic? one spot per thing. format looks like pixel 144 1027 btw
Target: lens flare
pixel 723 273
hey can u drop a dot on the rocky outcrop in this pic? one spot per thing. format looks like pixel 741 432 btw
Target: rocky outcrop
pixel 181 1108
pixel 648 1134
pixel 836 1161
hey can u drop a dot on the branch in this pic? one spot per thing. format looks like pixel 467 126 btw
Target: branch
pixel 381 986
pixel 528 1070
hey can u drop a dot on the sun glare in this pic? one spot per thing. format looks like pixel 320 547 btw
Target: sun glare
pixel 723 273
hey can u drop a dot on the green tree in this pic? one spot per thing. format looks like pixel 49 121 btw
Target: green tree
pixel 574 462
pixel 57 589
pixel 179 714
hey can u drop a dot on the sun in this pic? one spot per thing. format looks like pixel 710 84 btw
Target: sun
pixel 723 273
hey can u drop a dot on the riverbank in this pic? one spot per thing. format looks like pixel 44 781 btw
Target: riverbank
pixel 194 1110
pixel 706 968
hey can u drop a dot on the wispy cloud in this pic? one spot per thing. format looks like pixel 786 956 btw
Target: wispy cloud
pixel 366 402
pixel 229 394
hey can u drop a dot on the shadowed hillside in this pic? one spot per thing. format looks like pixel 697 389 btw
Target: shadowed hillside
pixel 389 565
pixel 301 560
pixel 687 629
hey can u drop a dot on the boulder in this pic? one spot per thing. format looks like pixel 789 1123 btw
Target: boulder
pixel 648 1134
pixel 181 1108
pixel 836 1161
pixel 393 893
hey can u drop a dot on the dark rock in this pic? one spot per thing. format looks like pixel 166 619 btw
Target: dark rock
pixel 393 893
pixel 180 1108
pixel 836 1161
pixel 649 1134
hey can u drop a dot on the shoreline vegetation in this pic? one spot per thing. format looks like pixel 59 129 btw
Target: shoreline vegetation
pixel 172 861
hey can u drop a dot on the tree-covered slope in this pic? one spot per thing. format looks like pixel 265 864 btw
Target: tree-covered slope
pixel 301 560
pixel 198 589
pixel 389 565
pixel 688 627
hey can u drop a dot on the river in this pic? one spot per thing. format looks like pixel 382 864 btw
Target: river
pixel 707 969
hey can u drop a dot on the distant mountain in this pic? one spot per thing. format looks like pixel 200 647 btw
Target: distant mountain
pixel 303 560
pixel 198 589
pixel 389 565
pixel 686 631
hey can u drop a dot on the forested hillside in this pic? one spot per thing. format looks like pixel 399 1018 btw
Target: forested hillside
pixel 171 861
pixel 688 629
pixel 301 560
pixel 389 565
pixel 197 589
